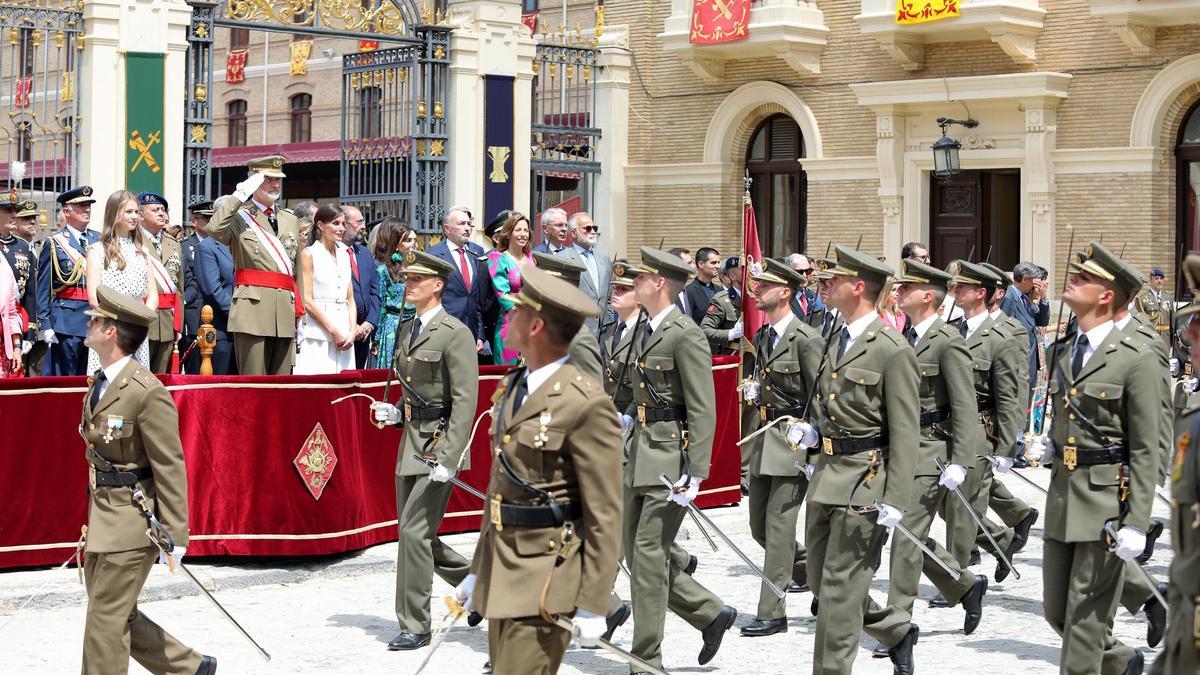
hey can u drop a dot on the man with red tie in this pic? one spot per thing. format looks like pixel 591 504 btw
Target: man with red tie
pixel 469 288
pixel 365 282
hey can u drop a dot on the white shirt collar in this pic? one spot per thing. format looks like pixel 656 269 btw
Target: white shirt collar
pixel 536 378
pixel 859 326
pixel 783 324
pixel 657 320
pixel 923 327
pixel 150 235
pixel 996 314
pixel 1122 322
pixel 112 371
pixel 262 207
pixel 579 249
pixel 454 247
pixel 1097 335
pixel 973 323
pixel 428 316
pixel 631 321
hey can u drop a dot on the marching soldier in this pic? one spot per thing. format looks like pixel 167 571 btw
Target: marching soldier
pixel 24 266
pixel 166 267
pixel 722 322
pixel 1156 304
pixel 584 348
pixel 549 545
pixel 62 285
pixel 673 434
pixel 1104 445
pixel 789 353
pixel 868 416
pixel 265 243
pixel 435 366
pixel 131 429
pixel 1181 653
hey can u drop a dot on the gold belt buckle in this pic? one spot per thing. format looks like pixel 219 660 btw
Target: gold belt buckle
pixel 1070 457
pixel 827 445
pixel 494 515
pixel 762 413
pixel 407 412
pixel 92 477
pixel 642 414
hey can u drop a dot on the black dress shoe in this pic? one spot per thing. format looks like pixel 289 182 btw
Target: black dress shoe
pixel 745 489
pixel 902 653
pixel 1003 570
pixel 974 559
pixel 759 627
pixel 406 641
pixel 487 667
pixel 1156 614
pixel 972 602
pixel 814 606
pixel 1021 531
pixel 714 633
pixel 939 601
pixel 693 561
pixel 794 587
pixel 1152 534
pixel 208 665
pixel 880 651
pixel 474 619
pixel 614 620
pixel 1136 664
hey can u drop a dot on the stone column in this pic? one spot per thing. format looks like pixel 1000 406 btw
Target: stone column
pixel 1038 225
pixel 889 150
pixel 612 117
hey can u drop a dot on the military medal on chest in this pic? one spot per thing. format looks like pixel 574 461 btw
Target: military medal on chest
pixel 542 437
pixel 114 425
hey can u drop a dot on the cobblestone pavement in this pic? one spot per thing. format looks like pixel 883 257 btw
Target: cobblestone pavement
pixel 335 615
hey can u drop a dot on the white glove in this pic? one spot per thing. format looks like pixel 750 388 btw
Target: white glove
pixel 802 434
pixel 1174 367
pixel 1130 543
pixel 588 627
pixel 49 337
pixel 1037 447
pixel 385 413
pixel 440 474
pixel 737 331
pixel 684 498
pixel 248 187
pixel 26 347
pixel 626 423
pixel 953 476
pixel 1004 464
pixel 464 592
pixel 1189 385
pixel 750 392
pixel 173 558
pixel 809 469
pixel 888 516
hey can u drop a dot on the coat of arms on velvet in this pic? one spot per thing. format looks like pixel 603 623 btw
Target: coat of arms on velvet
pixel 316 461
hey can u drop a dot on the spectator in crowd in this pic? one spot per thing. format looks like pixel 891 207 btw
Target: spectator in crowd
pixel 467 294
pixel 722 320
pixel 889 313
pixel 681 301
pixel 10 322
pixel 364 281
pixel 191 288
pixel 327 327
pixel 806 304
pixel 491 315
pixel 597 264
pixel 685 255
pixel 214 277
pixel 62 288
pixel 1030 307
pixel 121 262
pixel 393 238
pixel 915 250
pixel 556 233
pixel 504 267
pixel 700 291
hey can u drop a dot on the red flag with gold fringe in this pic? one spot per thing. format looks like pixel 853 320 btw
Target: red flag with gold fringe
pixel 717 21
pixel 752 318
pixel 235 66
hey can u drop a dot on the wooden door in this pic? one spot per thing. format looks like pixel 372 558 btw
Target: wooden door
pixel 956 218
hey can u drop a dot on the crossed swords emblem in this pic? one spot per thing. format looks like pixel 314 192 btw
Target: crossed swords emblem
pixel 723 8
pixel 143 145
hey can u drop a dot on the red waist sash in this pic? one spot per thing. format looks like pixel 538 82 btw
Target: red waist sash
pixel 265 279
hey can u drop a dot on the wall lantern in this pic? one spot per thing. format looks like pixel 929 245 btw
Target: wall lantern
pixel 945 150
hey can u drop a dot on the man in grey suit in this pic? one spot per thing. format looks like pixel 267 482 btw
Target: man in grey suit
pixel 597 264
pixel 1030 307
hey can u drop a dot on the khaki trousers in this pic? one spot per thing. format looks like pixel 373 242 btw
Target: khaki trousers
pixel 160 356
pixel 1081 582
pixel 420 505
pixel 525 646
pixel 258 355
pixel 774 509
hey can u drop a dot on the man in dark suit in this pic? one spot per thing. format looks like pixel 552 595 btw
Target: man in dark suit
pixel 700 291
pixel 62 287
pixel 556 235
pixel 806 304
pixel 214 285
pixel 470 286
pixel 191 290
pixel 365 283
pixel 1030 307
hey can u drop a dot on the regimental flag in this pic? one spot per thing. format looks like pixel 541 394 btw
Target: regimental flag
pixel 368 45
pixel 301 50
pixel 920 11
pixel 717 21
pixel 235 66
pixel 24 87
pixel 530 20
pixel 752 318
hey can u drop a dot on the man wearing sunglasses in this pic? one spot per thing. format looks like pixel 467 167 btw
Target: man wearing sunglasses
pixel 806 304
pixel 597 264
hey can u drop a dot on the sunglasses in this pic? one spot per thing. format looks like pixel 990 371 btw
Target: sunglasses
pixel 807 270
pixel 590 228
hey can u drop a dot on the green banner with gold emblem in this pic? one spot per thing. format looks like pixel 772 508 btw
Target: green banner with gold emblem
pixel 144 112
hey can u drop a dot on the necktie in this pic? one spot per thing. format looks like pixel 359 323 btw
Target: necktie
pixel 157 241
pixel 962 328
pixel 99 384
pixel 681 302
pixel 464 269
pixel 911 335
pixel 843 342
pixel 645 334
pixel 804 303
pixel 271 220
pixel 771 335
pixel 590 258
pixel 617 335
pixel 826 323
pixel 1077 358
pixel 520 393
pixel 416 330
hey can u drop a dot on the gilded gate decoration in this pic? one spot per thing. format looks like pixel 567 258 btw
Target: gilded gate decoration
pixel 564 134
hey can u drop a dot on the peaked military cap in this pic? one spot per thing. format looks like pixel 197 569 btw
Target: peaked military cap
pixel 420 262
pixel 824 267
pixel 852 263
pixel 623 274
pixel 776 272
pixel 9 200
pixel 270 166
pixel 149 198
pixel 915 272
pixel 972 273
pixel 79 195
pixel 1105 264
pixel 545 292
pixel 202 209
pixel 1004 280
pixel 497 222
pixel 115 305
pixel 557 266
pixel 1157 272
pixel 26 209
pixel 731 263
pixel 664 264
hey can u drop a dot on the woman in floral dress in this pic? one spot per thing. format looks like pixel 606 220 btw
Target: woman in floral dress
pixel 504 265
pixel 393 238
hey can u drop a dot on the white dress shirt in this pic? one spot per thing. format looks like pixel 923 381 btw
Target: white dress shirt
pixel 922 328
pixel 858 327
pixel 536 378
pixel 1095 338
pixel 973 323
pixel 110 373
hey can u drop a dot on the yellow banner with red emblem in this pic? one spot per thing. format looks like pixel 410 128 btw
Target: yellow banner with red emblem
pixel 921 11
pixel 717 21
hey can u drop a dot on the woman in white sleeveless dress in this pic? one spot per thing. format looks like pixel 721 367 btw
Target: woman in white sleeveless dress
pixel 118 261
pixel 327 328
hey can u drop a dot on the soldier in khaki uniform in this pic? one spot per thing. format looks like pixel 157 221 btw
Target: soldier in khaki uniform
pixel 1105 451
pixel 436 368
pixel 1157 305
pixel 166 269
pixel 265 243
pixel 672 433
pixel 722 322
pixel 550 538
pixel 789 354
pixel 867 409
pixel 584 348
pixel 131 430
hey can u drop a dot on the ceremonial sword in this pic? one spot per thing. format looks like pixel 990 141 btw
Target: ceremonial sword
pixel 628 657
pixel 700 516
pixel 1018 474
pixel 955 574
pixel 430 464
pixel 1111 531
pixel 979 522
pixel 456 612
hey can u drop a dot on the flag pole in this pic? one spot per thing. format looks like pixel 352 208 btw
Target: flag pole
pixel 747 181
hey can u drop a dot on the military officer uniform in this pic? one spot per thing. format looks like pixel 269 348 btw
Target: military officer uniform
pixel 23 262
pixel 585 348
pixel 131 429
pixel 789 353
pixel 435 365
pixel 672 434
pixel 191 291
pixel 62 294
pixel 549 542
pixel 722 314
pixel 265 243
pixel 166 268
pixel 868 419
pixel 1105 454
pixel 1158 307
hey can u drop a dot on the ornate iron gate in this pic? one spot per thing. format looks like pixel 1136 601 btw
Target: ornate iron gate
pixel 563 132
pixel 40 54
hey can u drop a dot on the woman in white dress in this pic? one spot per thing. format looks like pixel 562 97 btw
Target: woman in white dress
pixel 327 328
pixel 118 261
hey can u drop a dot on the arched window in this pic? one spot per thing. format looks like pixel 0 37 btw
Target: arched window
pixel 1187 168
pixel 237 123
pixel 301 105
pixel 779 190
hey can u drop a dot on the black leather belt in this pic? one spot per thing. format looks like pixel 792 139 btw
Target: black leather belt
pixel 623 405
pixel 545 515
pixel 429 412
pixel 930 417
pixel 851 446
pixel 1111 454
pixel 985 405
pixel 770 413
pixel 646 414
pixel 123 478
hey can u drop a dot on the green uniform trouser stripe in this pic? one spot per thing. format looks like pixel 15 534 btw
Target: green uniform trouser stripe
pixel 421 504
pixel 774 509
pixel 1081 582
pixel 527 645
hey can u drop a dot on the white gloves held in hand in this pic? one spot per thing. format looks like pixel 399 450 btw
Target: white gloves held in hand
pixel 589 627
pixel 626 423
pixel 464 591
pixel 1131 542
pixel 1038 447
pixel 684 498
pixel 173 558
pixel 953 476
pixel 1174 364
pixel 1004 464
pixel 737 331
pixel 49 337
pixel 248 187
pixel 750 391
pixel 385 413
pixel 440 474
pixel 888 516
pixel 802 434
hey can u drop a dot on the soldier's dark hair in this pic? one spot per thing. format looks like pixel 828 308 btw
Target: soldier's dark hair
pixel 989 292
pixel 1026 270
pixel 705 252
pixel 909 250
pixel 129 336
pixel 561 328
pixel 324 214
pixel 678 251
pixel 871 289
pixel 1120 297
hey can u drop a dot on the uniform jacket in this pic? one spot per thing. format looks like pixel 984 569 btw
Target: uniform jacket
pixel 441 367
pixel 163 327
pixel 786 376
pixel 268 312
pixel 871 391
pixel 722 314
pixel 467 306
pixel 1000 377
pixel 191 288
pixel 1180 653
pixel 1157 310
pixel 366 286
pixel 64 316
pixel 149 437
pixel 214 281
pixel 676 363
pixel 617 375
pixel 560 440
pixel 584 352
pixel 1149 337
pixel 1120 395
pixel 24 266
pixel 947 384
